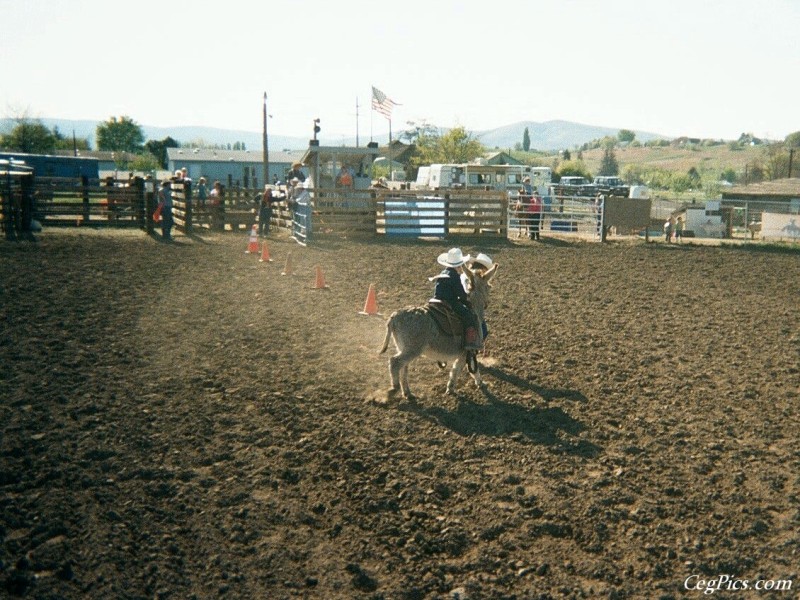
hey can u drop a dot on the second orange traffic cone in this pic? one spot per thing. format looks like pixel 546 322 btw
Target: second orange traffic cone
pixel 371 305
pixel 264 254
pixel 252 244
pixel 319 284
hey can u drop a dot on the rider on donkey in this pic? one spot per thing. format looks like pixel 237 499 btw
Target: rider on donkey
pixel 450 290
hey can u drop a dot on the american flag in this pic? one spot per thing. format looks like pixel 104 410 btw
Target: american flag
pixel 382 103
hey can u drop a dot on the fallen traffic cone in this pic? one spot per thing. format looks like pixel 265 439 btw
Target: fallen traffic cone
pixel 319 284
pixel 287 270
pixel 371 305
pixel 252 245
pixel 264 254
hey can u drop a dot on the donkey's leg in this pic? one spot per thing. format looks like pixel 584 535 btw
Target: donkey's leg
pixel 404 383
pixel 394 371
pixel 476 376
pixel 454 374
pixel 398 368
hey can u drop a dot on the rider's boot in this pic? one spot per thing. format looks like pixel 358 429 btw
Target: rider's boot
pixel 472 340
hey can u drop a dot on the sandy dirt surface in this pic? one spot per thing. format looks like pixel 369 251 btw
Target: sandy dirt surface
pixel 183 421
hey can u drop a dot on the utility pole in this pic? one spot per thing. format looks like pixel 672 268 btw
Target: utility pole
pixel 266 143
pixel 791 156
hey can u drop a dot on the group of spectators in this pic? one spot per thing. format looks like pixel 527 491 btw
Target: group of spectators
pixel 528 209
pixel 213 201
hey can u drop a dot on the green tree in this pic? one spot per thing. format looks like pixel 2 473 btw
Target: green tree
pixel 609 164
pixel 626 135
pixel 456 146
pixel 776 161
pixel 70 143
pixel 29 136
pixel 566 155
pixel 793 140
pixel 144 162
pixel 526 140
pixel 159 149
pixel 120 135
pixel 573 167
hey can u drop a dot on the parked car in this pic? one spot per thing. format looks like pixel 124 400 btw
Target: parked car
pixel 573 185
pixel 611 186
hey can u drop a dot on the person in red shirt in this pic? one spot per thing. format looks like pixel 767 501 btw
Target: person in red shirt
pixel 535 211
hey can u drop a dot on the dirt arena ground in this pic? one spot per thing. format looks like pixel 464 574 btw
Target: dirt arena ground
pixel 182 421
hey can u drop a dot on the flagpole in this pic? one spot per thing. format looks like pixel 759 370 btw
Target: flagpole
pixel 389 153
pixel 265 143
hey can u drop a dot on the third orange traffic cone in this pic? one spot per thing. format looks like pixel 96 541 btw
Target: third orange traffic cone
pixel 371 305
pixel 252 244
pixel 319 284
pixel 264 253
pixel 287 270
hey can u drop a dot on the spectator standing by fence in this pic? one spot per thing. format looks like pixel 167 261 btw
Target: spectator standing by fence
pixel 535 211
pixel 202 192
pixel 265 211
pixel 296 172
pixel 216 202
pixel 165 201
pixel 669 225
pixel 344 178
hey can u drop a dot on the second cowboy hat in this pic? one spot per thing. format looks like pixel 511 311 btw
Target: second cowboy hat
pixel 453 258
pixel 484 260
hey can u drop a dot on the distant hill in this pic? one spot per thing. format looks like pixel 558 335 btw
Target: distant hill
pixel 549 135
pixel 181 133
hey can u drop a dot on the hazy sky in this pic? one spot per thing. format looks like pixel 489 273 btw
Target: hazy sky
pixel 714 68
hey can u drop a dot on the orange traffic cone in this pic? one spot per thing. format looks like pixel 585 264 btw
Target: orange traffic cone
pixel 319 284
pixel 287 270
pixel 264 254
pixel 252 245
pixel 371 305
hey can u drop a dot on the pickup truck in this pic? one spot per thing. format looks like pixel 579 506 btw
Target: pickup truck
pixel 611 186
pixel 571 185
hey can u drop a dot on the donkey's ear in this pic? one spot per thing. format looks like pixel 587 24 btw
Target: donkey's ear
pixel 491 272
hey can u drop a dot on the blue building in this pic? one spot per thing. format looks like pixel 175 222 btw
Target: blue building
pixel 46 165
pixel 231 167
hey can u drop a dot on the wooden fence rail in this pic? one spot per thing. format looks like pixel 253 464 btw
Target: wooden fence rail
pixel 72 202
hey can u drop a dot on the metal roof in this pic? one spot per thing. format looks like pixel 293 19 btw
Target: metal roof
pixel 776 187
pixel 241 156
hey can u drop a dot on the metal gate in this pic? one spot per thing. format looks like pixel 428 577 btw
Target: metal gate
pixel 574 216
pixel 301 217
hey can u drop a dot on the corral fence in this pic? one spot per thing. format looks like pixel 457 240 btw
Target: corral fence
pixel 770 220
pixel 402 213
pixel 376 211
pixel 578 216
pixel 732 218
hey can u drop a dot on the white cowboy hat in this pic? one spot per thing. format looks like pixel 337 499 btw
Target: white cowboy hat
pixel 452 258
pixel 484 260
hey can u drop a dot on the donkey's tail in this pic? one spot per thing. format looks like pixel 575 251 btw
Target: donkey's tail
pixel 389 330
